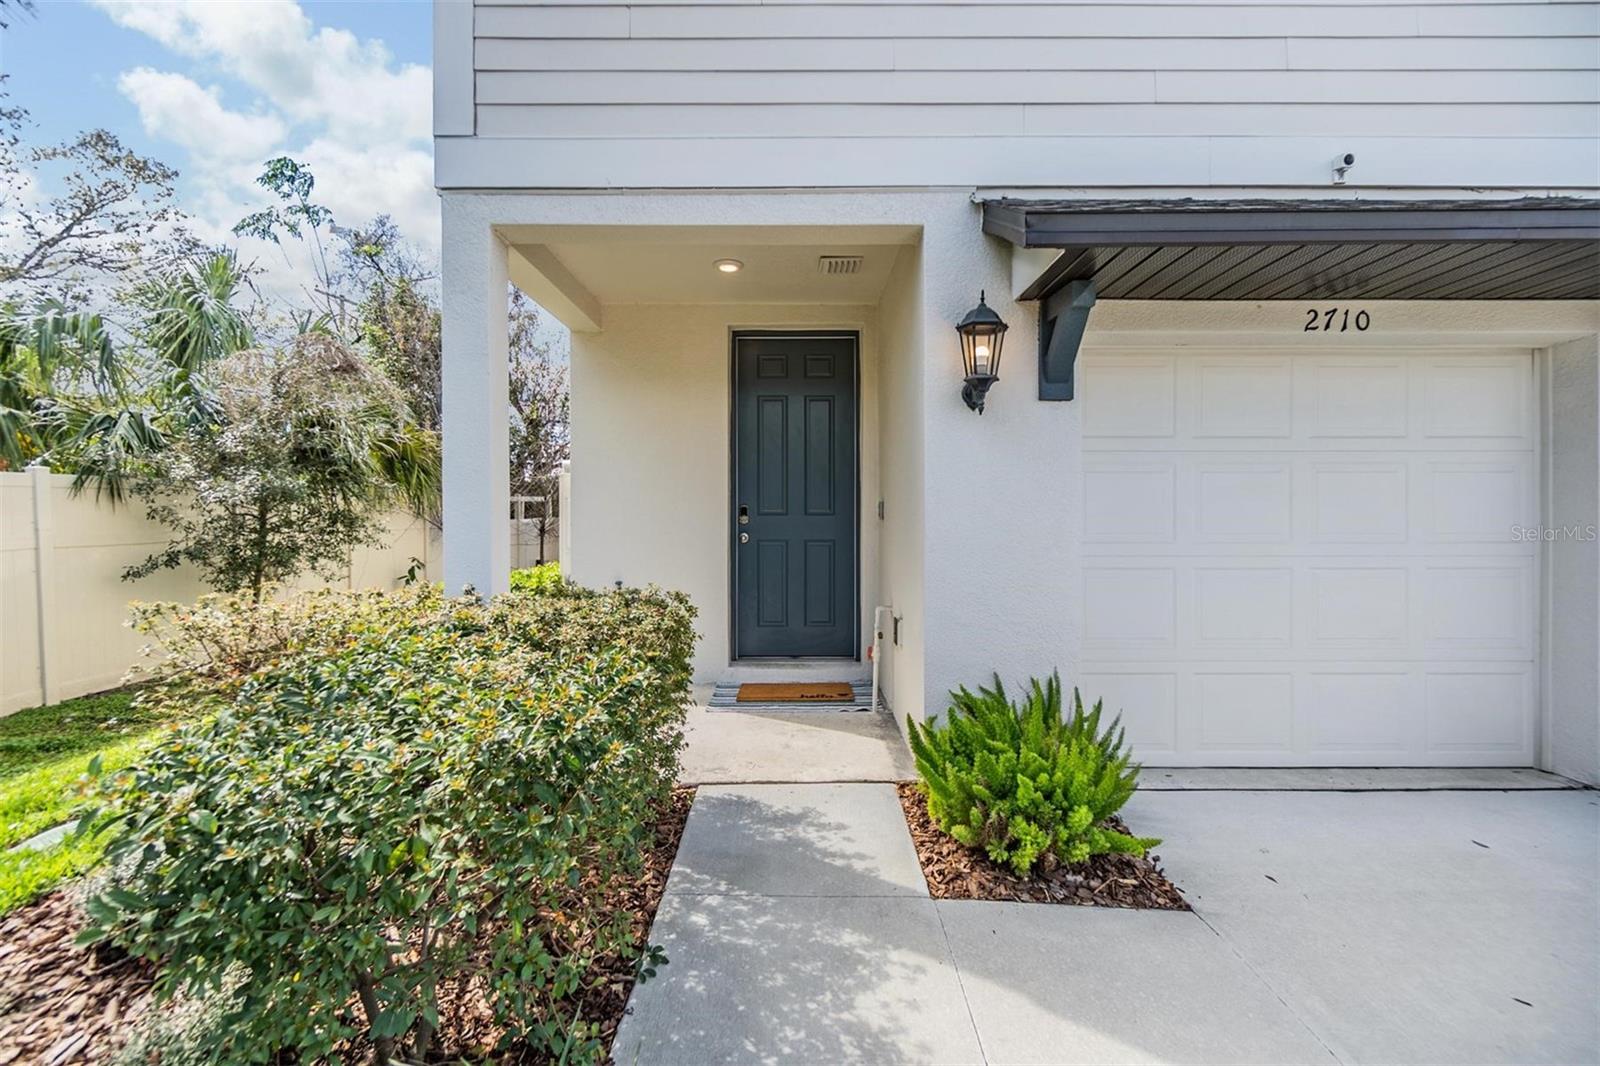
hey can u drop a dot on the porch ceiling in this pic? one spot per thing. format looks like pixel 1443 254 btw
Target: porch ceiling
pixel 641 272
pixel 1535 249
pixel 591 266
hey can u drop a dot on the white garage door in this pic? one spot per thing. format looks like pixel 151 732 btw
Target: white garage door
pixel 1312 559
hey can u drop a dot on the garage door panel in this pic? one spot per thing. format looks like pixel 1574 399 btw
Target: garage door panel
pixel 1243 502
pixel 1238 397
pixel 1134 397
pixel 1352 713
pixel 1357 399
pixel 1309 557
pixel 1478 609
pixel 1357 610
pixel 1477 502
pixel 1146 702
pixel 1356 503
pixel 1251 606
pixel 1485 711
pixel 1311 401
pixel 1367 712
pixel 1243 711
pixel 1481 397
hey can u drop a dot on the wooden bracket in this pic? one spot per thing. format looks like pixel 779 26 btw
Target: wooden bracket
pixel 1062 321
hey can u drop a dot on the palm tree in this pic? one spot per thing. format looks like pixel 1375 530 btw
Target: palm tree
pixel 72 397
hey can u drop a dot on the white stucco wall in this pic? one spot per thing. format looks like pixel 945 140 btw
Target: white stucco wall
pixel 900 411
pixel 1572 610
pixel 1001 498
pixel 651 451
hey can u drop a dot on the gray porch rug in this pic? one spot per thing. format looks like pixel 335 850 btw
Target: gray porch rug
pixel 725 697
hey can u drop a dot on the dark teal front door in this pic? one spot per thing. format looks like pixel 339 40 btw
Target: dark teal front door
pixel 794 520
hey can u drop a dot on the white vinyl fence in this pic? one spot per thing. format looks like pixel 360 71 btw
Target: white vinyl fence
pixel 63 601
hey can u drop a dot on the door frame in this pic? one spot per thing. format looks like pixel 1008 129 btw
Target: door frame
pixel 732 503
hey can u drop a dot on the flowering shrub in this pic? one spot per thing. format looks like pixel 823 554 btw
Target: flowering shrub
pixel 409 791
pixel 202 650
pixel 1026 783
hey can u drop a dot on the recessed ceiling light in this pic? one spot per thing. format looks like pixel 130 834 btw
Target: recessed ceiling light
pixel 729 266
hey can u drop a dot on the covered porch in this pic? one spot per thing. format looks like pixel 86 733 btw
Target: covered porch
pixel 787 534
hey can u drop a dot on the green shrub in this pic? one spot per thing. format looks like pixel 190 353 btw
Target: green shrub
pixel 415 792
pixel 1025 783
pixel 201 651
pixel 539 578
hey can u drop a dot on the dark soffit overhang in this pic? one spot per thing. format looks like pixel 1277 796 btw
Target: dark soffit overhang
pixel 1544 248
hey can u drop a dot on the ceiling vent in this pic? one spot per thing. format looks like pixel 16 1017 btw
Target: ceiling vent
pixel 839 264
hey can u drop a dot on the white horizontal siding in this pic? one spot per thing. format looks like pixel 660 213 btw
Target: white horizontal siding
pixel 984 20
pixel 1514 76
pixel 1046 87
pixel 639 121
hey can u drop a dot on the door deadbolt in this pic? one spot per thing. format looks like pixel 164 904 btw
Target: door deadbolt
pixel 744 538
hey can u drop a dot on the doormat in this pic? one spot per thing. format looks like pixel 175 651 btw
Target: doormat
pixel 732 696
pixel 824 692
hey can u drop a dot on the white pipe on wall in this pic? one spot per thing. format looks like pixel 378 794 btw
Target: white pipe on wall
pixel 877 648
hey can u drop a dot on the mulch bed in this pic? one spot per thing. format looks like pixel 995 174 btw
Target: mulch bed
pixel 60 1003
pixel 954 871
pixel 466 1025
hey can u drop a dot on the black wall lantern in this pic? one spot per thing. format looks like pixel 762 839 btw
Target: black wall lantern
pixel 982 335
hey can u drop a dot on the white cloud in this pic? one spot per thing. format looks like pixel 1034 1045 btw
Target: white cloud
pixel 176 109
pixel 321 75
pixel 342 105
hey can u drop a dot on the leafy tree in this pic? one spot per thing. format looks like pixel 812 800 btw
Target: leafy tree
pixel 397 316
pixel 540 412
pixel 110 215
pixel 296 215
pixel 309 447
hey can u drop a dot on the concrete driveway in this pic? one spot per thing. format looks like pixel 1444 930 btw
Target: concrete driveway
pixel 1328 927
pixel 1434 926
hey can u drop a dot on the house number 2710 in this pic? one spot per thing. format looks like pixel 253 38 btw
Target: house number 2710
pixel 1336 320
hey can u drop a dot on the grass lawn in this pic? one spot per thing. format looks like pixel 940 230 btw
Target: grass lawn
pixel 87 724
pixel 43 752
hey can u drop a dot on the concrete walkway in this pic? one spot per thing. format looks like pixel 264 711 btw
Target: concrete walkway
pixel 736 746
pixel 1329 927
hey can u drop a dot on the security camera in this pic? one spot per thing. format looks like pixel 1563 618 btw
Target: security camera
pixel 1341 166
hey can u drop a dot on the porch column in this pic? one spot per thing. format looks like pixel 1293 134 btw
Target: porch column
pixel 477 458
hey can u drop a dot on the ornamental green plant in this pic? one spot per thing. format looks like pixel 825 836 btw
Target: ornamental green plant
pixel 1024 782
pixel 536 578
pixel 400 797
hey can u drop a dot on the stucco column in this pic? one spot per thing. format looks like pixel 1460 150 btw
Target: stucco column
pixel 477 458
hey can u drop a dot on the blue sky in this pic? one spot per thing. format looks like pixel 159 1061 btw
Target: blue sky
pixel 216 87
